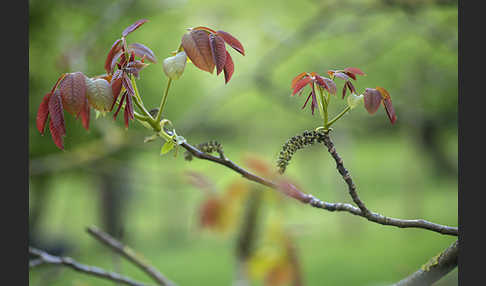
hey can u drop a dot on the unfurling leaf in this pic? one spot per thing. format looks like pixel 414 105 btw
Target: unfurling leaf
pixel 300 85
pixel 43 113
pixel 354 71
pixel 174 66
pixel 384 93
pixel 232 41
pixel 113 54
pixel 331 85
pixel 99 93
pixel 296 79
pixel 143 51
pixel 372 100
pixel 168 145
pixel 229 68
pixel 342 76
pixel 56 124
pixel 197 47
pixel 390 111
pixel 73 92
pixel 85 112
pixel 133 27
pixel 218 50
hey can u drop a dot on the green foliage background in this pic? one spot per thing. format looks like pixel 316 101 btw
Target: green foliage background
pixel 408 47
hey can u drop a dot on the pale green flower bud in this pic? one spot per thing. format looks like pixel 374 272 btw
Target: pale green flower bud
pixel 99 93
pixel 354 100
pixel 174 66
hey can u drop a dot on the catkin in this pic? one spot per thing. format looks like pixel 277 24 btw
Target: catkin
pixel 207 147
pixel 296 143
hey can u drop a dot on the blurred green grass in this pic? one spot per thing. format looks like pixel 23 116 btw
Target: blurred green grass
pixel 413 55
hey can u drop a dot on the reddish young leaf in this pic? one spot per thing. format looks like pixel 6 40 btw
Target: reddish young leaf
pixel 344 89
pixel 280 274
pixel 390 111
pixel 331 85
pixel 232 41
pixel 73 92
pixel 218 50
pixel 351 87
pixel 197 47
pixel 305 103
pixel 57 82
pixel 258 165
pixel 296 79
pixel 142 51
pixel 116 85
pixel 115 60
pixel 134 67
pixel 124 95
pixel 320 81
pixel 351 75
pixel 292 191
pixel 210 212
pixel 125 114
pixel 342 76
pixel 314 99
pixel 56 136
pixel 115 49
pixel 372 100
pixel 42 113
pixel 384 93
pixel 133 27
pixel 56 124
pixel 85 112
pixel 387 103
pixel 228 68
pixel 129 107
pixel 300 85
pixel 354 71
pixel 209 30
pixel 127 84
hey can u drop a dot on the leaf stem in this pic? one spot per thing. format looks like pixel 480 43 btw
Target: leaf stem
pixel 324 105
pixel 339 116
pixel 164 100
pixel 138 99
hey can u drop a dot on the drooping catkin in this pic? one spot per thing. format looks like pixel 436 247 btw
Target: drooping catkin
pixel 207 147
pixel 296 143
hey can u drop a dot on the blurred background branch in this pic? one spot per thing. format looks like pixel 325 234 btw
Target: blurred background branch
pixel 46 258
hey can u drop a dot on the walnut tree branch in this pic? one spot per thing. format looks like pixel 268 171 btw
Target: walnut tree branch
pixel 345 174
pixel 47 258
pixel 311 200
pixel 436 268
pixel 129 254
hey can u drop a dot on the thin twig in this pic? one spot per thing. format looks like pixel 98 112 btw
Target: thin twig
pixel 90 270
pixel 436 268
pixel 35 262
pixel 129 254
pixel 345 174
pixel 309 199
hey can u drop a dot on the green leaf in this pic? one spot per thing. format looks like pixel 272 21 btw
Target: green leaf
pixel 167 147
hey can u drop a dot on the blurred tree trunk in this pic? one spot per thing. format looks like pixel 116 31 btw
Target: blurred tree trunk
pixel 114 187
